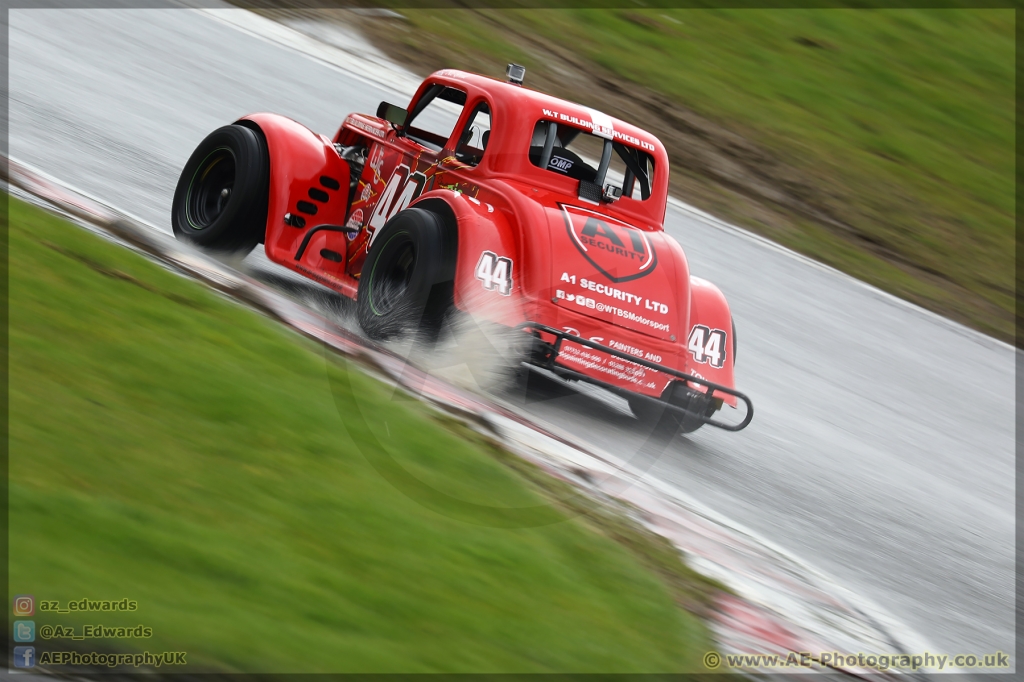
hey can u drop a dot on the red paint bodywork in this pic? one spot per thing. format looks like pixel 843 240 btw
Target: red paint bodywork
pixel 621 281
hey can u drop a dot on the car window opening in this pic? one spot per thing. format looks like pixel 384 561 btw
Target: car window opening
pixel 592 159
pixel 473 140
pixel 433 118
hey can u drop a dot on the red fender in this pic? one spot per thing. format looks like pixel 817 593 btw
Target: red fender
pixel 710 317
pixel 299 159
pixel 488 280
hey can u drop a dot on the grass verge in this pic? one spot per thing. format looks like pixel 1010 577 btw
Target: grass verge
pixel 880 142
pixel 172 448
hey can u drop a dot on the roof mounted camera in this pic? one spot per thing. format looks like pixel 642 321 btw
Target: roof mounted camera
pixel 515 74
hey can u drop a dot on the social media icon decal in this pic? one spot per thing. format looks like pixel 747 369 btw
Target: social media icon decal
pixel 24 657
pixel 24 605
pixel 24 631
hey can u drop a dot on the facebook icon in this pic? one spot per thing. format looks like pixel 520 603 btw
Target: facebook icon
pixel 24 657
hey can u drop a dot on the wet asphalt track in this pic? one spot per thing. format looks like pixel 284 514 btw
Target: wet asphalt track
pixel 882 450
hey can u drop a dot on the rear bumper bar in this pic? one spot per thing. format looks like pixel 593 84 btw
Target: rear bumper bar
pixel 712 388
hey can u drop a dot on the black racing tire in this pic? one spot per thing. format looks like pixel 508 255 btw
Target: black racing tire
pixel 408 278
pixel 220 202
pixel 653 413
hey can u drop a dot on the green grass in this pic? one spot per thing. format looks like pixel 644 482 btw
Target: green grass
pixel 902 121
pixel 173 448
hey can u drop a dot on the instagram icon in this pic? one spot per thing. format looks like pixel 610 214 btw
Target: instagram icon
pixel 24 605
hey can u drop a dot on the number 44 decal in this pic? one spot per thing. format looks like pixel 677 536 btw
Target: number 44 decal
pixel 495 272
pixel 707 345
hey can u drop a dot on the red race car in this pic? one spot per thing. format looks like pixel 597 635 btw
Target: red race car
pixel 512 206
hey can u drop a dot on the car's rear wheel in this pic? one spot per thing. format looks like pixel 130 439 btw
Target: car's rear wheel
pixel 407 282
pixel 220 202
pixel 654 412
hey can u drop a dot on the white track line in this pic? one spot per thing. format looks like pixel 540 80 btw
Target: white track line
pixel 81 192
pixel 379 73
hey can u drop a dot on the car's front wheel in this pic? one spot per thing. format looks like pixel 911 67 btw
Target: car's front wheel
pixel 220 202
pixel 407 282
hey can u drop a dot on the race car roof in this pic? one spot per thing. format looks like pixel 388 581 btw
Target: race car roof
pixel 552 108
